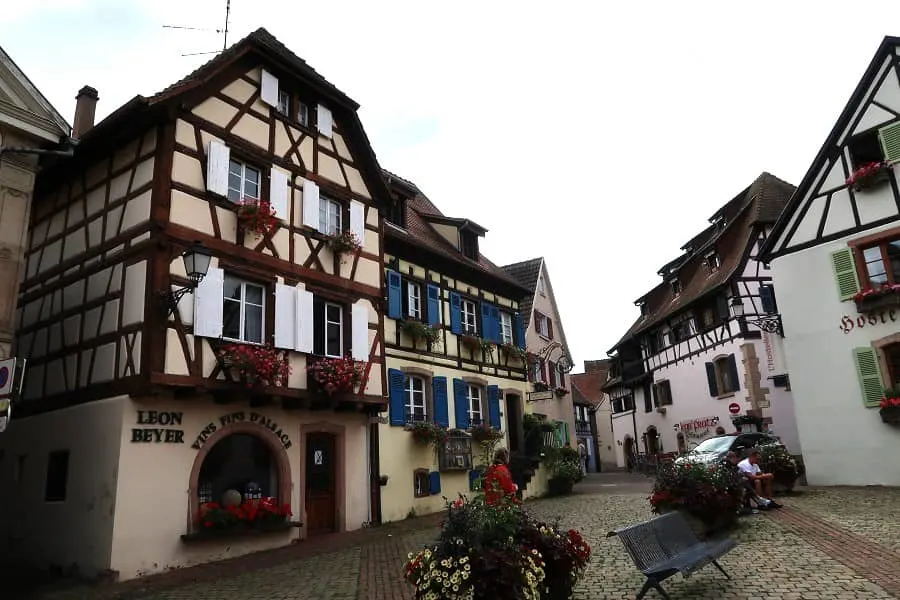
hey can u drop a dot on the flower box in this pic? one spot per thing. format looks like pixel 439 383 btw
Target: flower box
pixel 875 299
pixel 255 365
pixel 238 531
pixel 256 216
pixel 475 343
pixel 336 375
pixel 869 175
pixel 417 330
pixel 343 242
pixel 427 433
pixel 560 392
pixel 890 415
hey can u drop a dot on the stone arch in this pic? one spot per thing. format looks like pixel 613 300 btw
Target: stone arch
pixel 267 437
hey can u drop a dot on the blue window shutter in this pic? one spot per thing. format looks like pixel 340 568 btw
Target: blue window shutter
pixel 441 406
pixel 434 483
pixel 487 326
pixel 474 476
pixel 455 313
pixel 732 366
pixel 711 379
pixel 396 379
pixel 395 295
pixel 495 322
pixel 520 331
pixel 493 394
pixel 461 403
pixel 434 305
pixel 767 299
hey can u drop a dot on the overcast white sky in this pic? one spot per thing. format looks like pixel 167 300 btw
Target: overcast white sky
pixel 600 135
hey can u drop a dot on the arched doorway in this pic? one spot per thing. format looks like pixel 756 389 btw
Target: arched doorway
pixel 652 438
pixel 628 451
pixel 682 445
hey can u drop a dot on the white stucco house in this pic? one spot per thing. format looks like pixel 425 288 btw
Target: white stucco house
pixel 707 346
pixel 835 257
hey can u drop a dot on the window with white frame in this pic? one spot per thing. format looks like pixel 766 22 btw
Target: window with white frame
pixel 543 325
pixel 537 371
pixel 469 324
pixel 560 376
pixel 243 310
pixel 414 300
pixel 506 328
pixel 284 103
pixel 329 216
pixel 415 399
pixel 542 286
pixel 334 330
pixel 243 181
pixel 475 413
pixel 303 114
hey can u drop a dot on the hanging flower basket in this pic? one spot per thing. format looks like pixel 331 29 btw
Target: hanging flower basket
pixel 421 331
pixel 485 434
pixel 343 242
pixel 257 365
pixel 540 386
pixel 560 392
pixel 869 175
pixel 428 433
pixel 256 216
pixel 890 407
pixel 337 375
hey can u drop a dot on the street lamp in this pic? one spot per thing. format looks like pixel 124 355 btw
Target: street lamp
pixel 196 263
pixel 767 323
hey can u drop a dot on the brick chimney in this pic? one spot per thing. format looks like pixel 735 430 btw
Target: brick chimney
pixel 85 108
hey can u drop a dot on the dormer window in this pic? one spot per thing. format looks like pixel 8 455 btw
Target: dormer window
pixel 397 213
pixel 712 261
pixel 542 286
pixel 676 287
pixel 468 244
pixel 643 307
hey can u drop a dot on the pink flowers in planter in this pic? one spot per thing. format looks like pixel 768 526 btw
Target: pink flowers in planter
pixel 337 375
pixel 867 175
pixel 882 290
pixel 258 365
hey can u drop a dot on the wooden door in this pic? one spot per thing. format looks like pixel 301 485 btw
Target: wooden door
pixel 321 479
pixel 514 422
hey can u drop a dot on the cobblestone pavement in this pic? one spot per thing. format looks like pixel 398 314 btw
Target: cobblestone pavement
pixel 822 546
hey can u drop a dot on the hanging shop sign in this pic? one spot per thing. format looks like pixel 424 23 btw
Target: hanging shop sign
pixel 241 417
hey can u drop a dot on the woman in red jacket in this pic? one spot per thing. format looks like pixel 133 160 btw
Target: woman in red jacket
pixel 498 483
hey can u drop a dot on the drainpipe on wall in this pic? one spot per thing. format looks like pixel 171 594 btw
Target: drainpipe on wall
pixel 374 469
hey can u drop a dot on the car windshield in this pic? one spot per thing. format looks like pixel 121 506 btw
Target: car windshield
pixel 714 445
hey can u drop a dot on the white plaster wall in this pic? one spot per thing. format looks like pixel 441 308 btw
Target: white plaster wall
pixel 841 438
pixel 77 531
pixel 152 508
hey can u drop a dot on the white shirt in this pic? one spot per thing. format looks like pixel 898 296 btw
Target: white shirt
pixel 747 467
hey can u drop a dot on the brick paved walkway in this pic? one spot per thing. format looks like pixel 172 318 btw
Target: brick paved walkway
pixel 824 545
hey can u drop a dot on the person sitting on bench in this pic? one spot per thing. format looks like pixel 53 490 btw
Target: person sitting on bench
pixel 750 468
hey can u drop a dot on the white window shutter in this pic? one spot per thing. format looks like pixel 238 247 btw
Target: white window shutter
pixel 285 316
pixel 218 158
pixel 305 322
pixel 311 204
pixel 208 304
pixel 358 220
pixel 359 318
pixel 268 88
pixel 278 193
pixel 324 121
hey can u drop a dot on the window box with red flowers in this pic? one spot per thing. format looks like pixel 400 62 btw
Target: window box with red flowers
pixel 869 175
pixel 890 407
pixel 257 217
pixel 560 392
pixel 263 515
pixel 346 241
pixel 540 386
pixel 336 375
pixel 878 298
pixel 261 366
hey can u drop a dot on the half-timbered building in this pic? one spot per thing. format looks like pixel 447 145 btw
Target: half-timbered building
pixel 593 415
pixel 707 346
pixel 454 341
pixel 149 395
pixel 834 261
pixel 548 353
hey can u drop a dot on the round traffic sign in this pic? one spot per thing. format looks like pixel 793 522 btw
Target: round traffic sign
pixel 4 376
pixel 734 408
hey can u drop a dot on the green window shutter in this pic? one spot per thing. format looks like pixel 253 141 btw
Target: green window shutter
pixel 869 374
pixel 845 273
pixel 889 136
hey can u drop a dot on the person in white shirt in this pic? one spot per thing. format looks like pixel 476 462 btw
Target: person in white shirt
pixel 750 468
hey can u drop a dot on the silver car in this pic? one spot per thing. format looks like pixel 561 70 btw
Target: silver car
pixel 716 448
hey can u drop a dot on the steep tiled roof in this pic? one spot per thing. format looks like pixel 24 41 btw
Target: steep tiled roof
pixel 526 273
pixel 759 203
pixel 421 233
pixel 590 386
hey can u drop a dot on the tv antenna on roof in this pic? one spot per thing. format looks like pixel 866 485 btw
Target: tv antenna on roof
pixel 223 31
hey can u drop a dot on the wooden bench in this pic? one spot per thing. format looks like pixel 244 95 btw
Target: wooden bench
pixel 666 545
